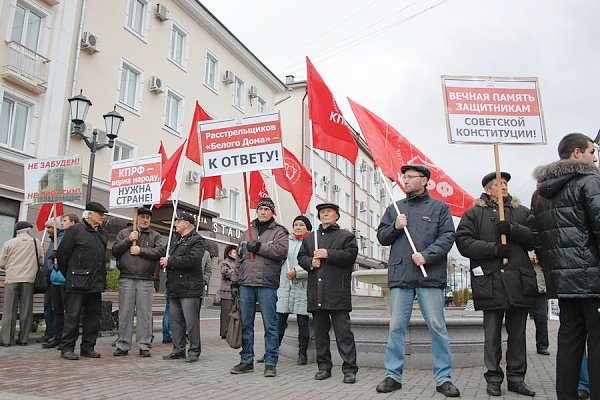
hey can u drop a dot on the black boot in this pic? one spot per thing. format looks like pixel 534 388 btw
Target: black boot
pixel 302 347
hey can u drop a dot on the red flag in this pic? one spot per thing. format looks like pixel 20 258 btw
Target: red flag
pixel 257 189
pixel 44 214
pixel 296 179
pixel 391 150
pixel 330 132
pixel 210 185
pixel 193 149
pixel 163 154
pixel 169 176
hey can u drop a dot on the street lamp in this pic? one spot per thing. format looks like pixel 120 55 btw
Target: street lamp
pixel 79 106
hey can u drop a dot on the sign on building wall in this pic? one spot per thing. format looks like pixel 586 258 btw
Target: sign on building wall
pixel 241 144
pixel 51 180
pixel 136 182
pixel 493 110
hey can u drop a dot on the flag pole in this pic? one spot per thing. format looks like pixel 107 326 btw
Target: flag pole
pixel 175 201
pixel 55 244
pixel 500 197
pixel 312 182
pixel 247 201
pixel 277 207
pixel 200 207
pixel 386 183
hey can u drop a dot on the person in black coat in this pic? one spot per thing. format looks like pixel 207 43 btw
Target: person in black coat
pixel 82 260
pixel 329 289
pixel 185 285
pixel 502 278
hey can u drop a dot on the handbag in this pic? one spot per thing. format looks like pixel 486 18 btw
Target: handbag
pixel 39 284
pixel 539 277
pixel 234 329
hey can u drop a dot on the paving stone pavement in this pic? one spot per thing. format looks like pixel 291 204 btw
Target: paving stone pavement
pixel 30 372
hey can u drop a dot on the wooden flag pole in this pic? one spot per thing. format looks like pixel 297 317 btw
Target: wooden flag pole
pixel 500 197
pixel 134 227
pixel 53 213
pixel 247 201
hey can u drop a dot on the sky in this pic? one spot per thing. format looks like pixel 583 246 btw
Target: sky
pixel 389 56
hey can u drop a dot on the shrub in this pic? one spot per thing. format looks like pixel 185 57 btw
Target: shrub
pixel 112 279
pixel 461 296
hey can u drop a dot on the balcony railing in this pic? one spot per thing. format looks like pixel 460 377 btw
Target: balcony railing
pixel 26 68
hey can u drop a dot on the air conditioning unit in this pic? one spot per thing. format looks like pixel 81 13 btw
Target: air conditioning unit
pixel 192 177
pixel 336 188
pixel 89 42
pixel 229 77
pixel 324 180
pixel 156 84
pixel 253 92
pixel 382 193
pixel 377 178
pixel 161 12
pixel 363 166
pixel 222 193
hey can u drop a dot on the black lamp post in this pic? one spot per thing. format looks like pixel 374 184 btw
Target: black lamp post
pixel 79 106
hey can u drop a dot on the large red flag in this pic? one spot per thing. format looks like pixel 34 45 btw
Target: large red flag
pixel 329 130
pixel 193 149
pixel 44 214
pixel 163 154
pixel 257 189
pixel 391 150
pixel 169 176
pixel 296 179
pixel 209 186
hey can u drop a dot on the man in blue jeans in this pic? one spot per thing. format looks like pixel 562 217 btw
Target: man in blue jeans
pixel 256 278
pixel 430 224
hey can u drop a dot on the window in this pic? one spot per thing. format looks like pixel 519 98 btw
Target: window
pixel 238 93
pixel 347 202
pixel 336 196
pixel 373 222
pixel 234 201
pixel 211 71
pixel 26 28
pixel 137 16
pixel 262 106
pixel 14 117
pixel 122 151
pixel 173 111
pixel 178 46
pixel 130 91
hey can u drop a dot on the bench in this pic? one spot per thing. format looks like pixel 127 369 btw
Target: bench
pixel 38 304
pixel 158 301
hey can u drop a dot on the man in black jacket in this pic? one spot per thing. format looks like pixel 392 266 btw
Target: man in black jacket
pixel 502 278
pixel 185 286
pixel 138 252
pixel 82 260
pixel 329 283
pixel 567 217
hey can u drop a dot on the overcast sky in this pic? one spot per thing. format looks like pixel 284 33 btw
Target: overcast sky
pixel 388 55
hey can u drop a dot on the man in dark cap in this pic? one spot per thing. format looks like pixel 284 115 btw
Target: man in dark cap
pixel 262 251
pixel 20 259
pixel 502 278
pixel 138 252
pixel 329 267
pixel 82 260
pixel 430 225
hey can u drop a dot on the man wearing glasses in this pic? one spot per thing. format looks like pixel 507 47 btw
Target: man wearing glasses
pixel 430 225
pixel 82 260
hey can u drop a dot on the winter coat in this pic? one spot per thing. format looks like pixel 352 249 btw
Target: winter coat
pixel 227 268
pixel 48 259
pixel 206 267
pixel 144 265
pixel 567 217
pixel 291 295
pixel 432 230
pixel 184 266
pixel 17 258
pixel 330 285
pixel 82 258
pixel 264 270
pixel 498 286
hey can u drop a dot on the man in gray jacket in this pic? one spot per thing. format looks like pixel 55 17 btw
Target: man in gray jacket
pixel 138 252
pixel 432 230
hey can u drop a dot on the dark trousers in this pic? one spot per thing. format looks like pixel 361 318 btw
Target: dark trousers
pixel 225 310
pixel 87 308
pixel 515 320
pixel 48 313
pixel 185 316
pixel 579 320
pixel 539 311
pixel 343 336
pixel 58 295
pixel 303 324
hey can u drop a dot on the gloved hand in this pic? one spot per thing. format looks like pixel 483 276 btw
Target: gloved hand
pixel 235 290
pixel 503 227
pixel 503 250
pixel 253 246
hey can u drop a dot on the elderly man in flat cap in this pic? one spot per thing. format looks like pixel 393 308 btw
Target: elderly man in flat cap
pixel 19 257
pixel 138 252
pixel 329 269
pixel 82 260
pixel 430 225
pixel 256 278
pixel 502 278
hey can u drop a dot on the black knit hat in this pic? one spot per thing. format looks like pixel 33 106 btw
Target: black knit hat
pixel 305 220
pixel 266 202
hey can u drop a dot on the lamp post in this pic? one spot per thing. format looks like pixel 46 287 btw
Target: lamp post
pixel 79 106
